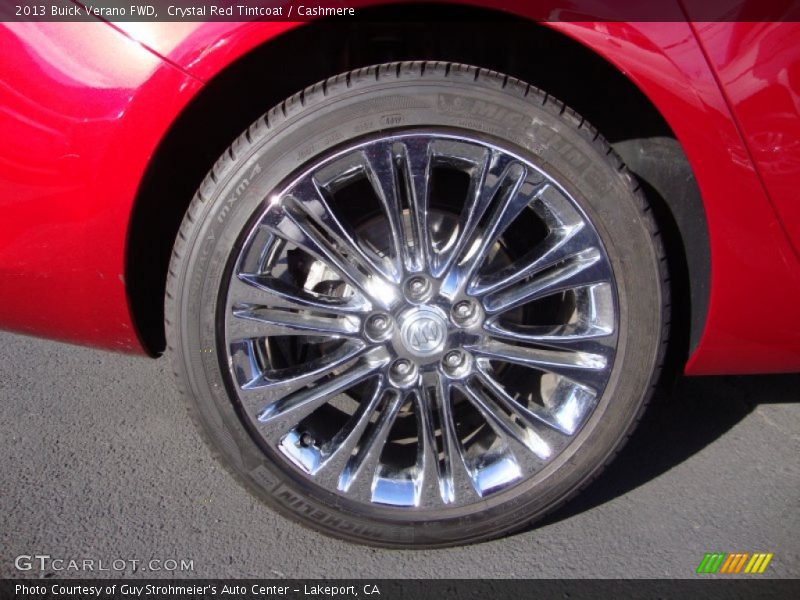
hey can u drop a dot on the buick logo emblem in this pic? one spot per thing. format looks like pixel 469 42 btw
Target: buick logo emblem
pixel 424 333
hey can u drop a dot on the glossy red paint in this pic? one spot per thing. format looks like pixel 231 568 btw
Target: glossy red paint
pixel 752 324
pixel 748 242
pixel 82 109
pixel 85 120
pixel 758 67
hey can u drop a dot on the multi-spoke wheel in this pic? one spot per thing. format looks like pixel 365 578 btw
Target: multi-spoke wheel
pixel 380 346
pixel 418 306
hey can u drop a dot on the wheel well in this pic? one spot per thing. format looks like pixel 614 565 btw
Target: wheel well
pixel 242 92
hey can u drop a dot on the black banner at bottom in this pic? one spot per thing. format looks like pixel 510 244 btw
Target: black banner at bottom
pixel 393 589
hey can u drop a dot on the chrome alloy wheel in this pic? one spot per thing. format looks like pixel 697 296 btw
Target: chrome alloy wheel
pixel 419 321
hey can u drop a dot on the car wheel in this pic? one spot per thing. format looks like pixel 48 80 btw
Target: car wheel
pixel 418 304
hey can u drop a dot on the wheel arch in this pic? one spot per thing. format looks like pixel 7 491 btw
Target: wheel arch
pixel 284 64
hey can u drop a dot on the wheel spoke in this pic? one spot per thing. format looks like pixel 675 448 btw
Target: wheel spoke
pixel 582 269
pixel 266 322
pixel 356 478
pixel 311 226
pixel 292 408
pixel 338 450
pixel 427 477
pixel 400 175
pixel 380 167
pixel 311 199
pixel 576 337
pixel 560 244
pixel 458 483
pixel 526 447
pixel 523 434
pixel 415 158
pixel 583 367
pixel 272 385
pixel 589 329
pixel 263 290
pixel 510 193
pixel 486 164
pixel 531 416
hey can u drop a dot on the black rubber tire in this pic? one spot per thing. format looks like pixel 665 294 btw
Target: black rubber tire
pixel 395 96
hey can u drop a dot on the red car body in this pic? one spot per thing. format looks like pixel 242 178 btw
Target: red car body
pixel 84 107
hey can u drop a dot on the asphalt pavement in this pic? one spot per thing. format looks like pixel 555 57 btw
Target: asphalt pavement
pixel 101 462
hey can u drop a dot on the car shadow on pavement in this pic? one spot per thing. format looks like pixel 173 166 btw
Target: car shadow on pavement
pixel 678 424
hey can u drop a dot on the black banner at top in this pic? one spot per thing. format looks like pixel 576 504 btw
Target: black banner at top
pixel 305 10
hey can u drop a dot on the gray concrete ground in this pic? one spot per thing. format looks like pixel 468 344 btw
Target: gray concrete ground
pixel 102 462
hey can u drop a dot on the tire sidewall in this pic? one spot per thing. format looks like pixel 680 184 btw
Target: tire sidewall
pixel 538 133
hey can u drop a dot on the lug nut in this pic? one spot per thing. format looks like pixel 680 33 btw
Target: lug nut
pixel 463 311
pixel 456 363
pixel 417 286
pixel 402 371
pixel 454 359
pixel 379 322
pixel 378 326
pixel 401 367
pixel 306 440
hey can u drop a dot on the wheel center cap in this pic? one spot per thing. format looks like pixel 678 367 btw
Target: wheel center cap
pixel 423 331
